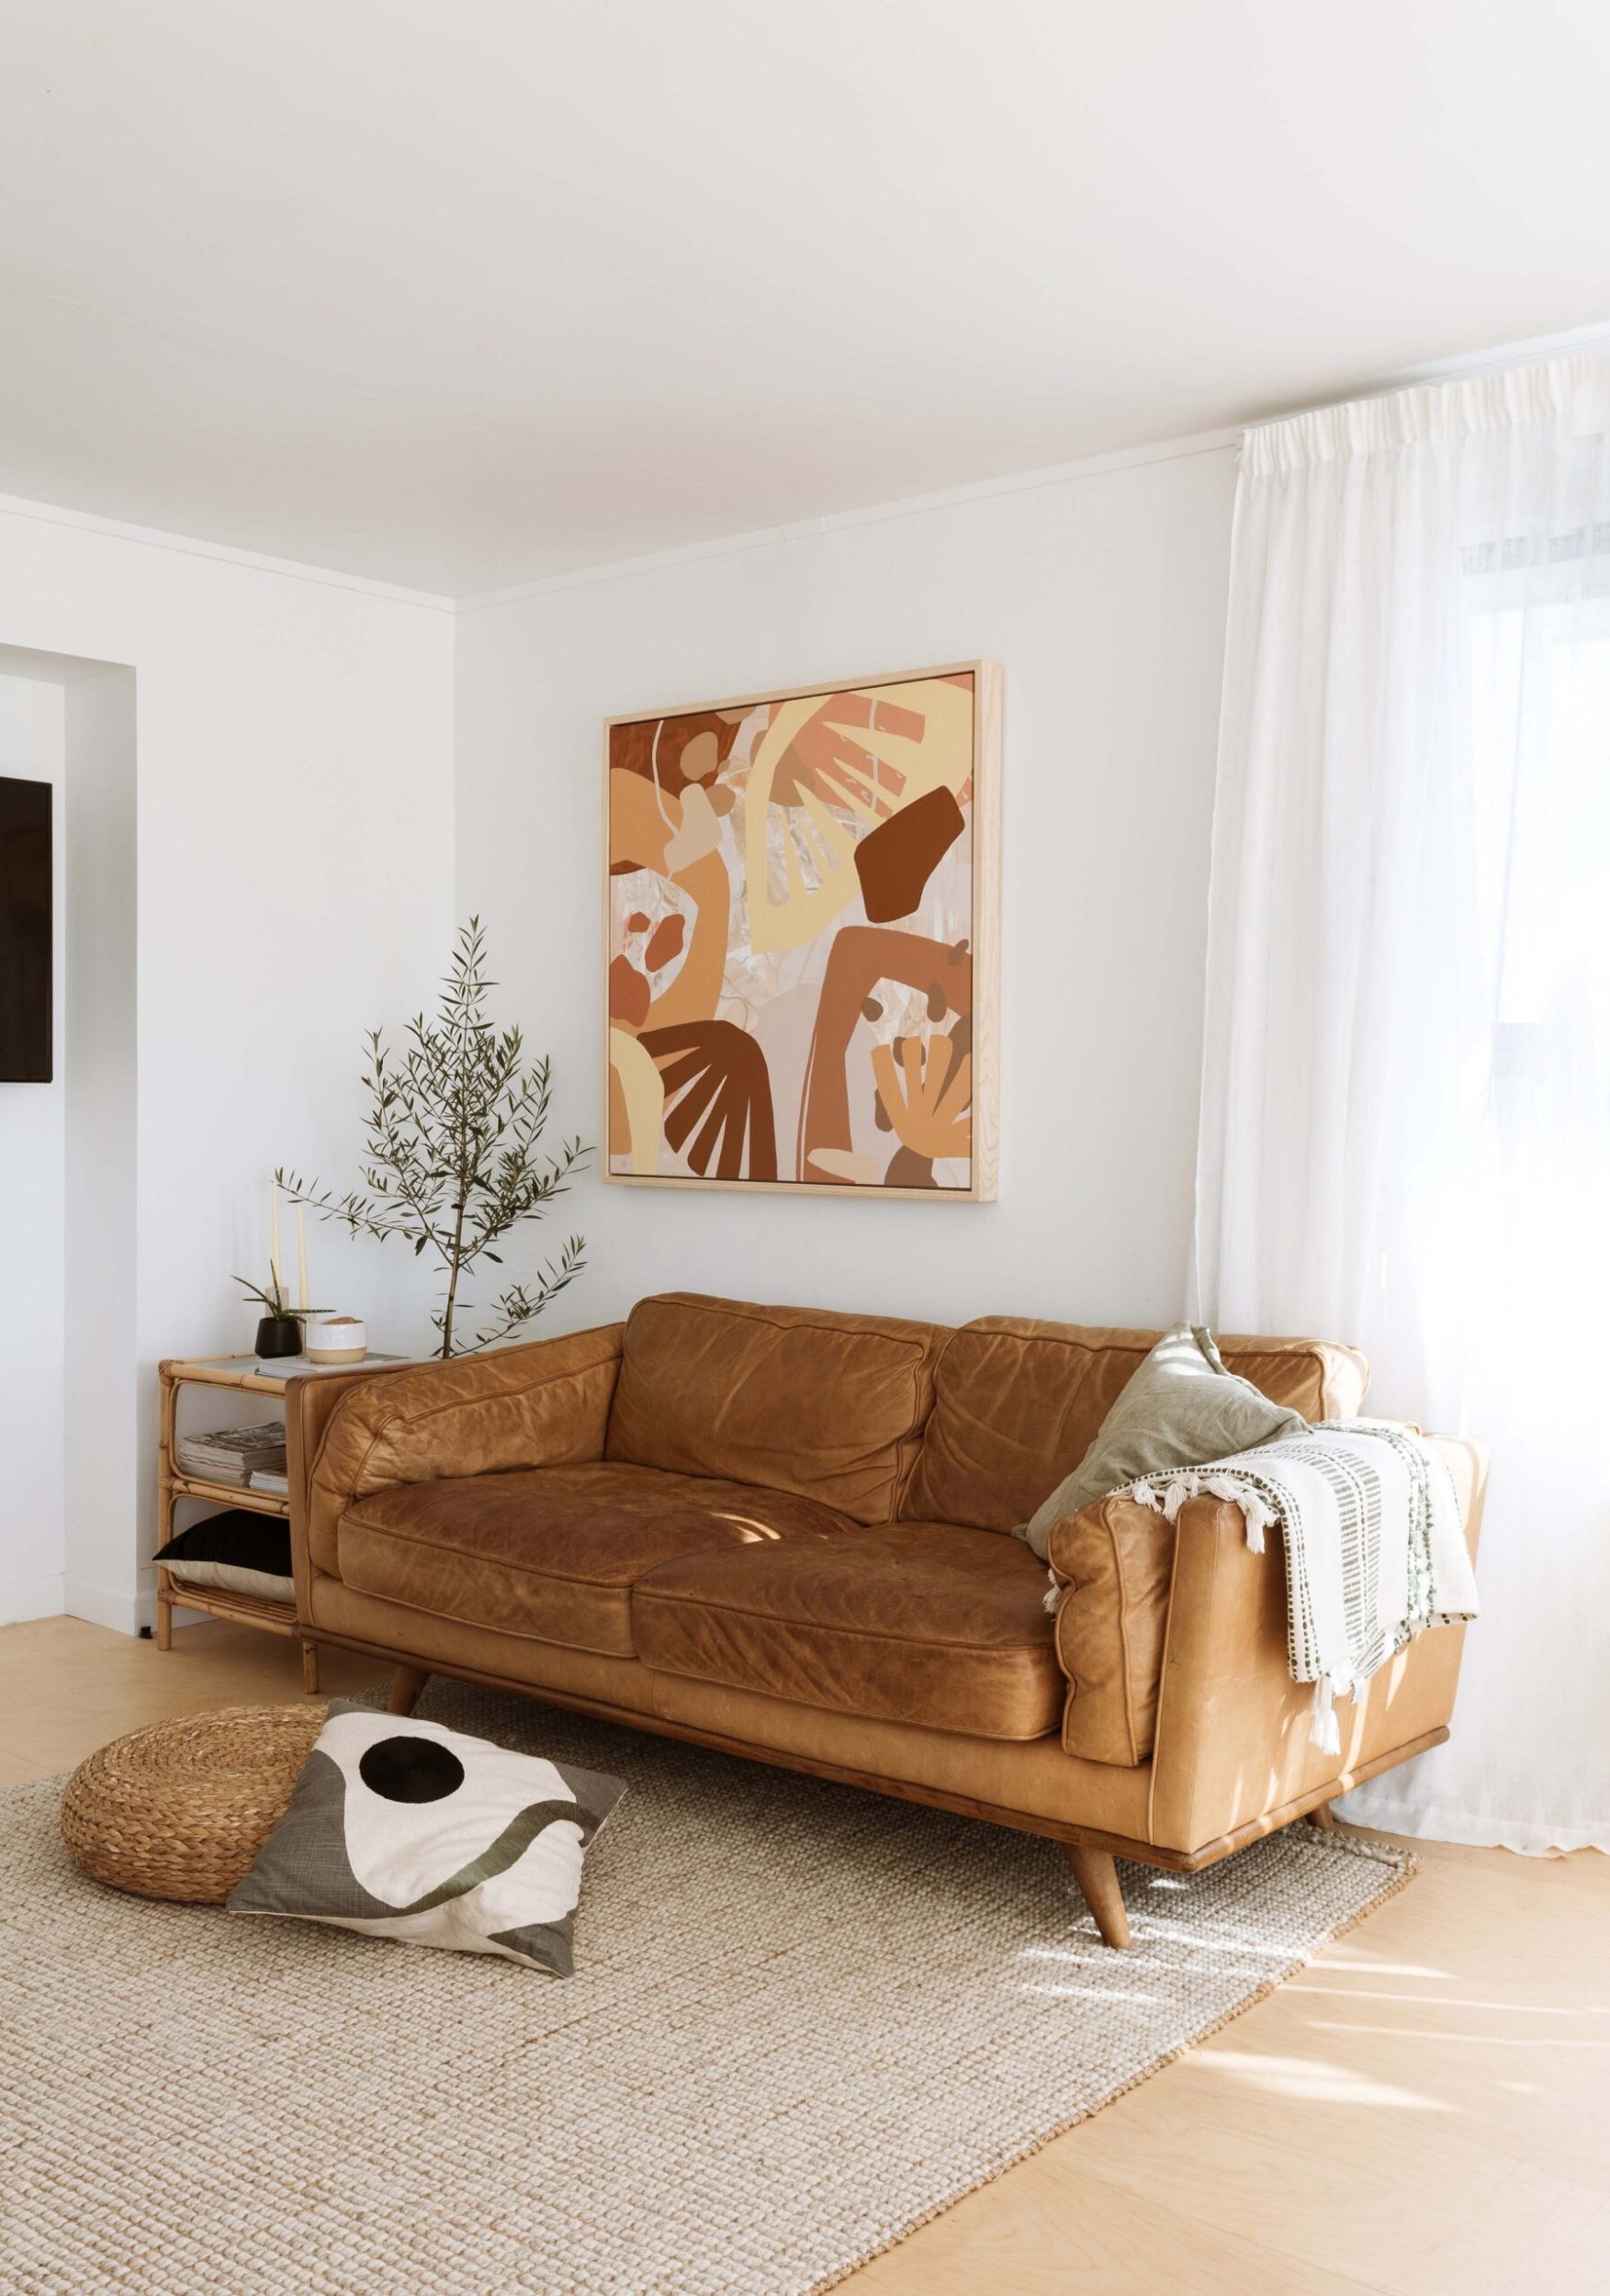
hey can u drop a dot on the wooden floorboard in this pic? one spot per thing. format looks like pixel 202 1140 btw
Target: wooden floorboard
pixel 1425 2110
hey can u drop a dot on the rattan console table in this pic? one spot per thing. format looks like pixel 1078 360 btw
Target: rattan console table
pixel 256 1376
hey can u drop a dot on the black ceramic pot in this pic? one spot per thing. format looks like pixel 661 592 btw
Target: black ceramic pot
pixel 280 1335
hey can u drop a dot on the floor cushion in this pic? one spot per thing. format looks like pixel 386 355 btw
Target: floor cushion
pixel 554 1551
pixel 911 1622
pixel 400 1827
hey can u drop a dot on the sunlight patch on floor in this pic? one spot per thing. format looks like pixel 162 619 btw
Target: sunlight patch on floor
pixel 1480 2041
pixel 1314 2083
pixel 1572 2009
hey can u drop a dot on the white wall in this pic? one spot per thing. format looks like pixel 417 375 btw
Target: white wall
pixel 297 844
pixel 32 1131
pixel 1103 595
pixel 103 1387
pixel 293 788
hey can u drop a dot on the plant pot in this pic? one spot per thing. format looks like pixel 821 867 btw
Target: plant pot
pixel 337 1339
pixel 280 1335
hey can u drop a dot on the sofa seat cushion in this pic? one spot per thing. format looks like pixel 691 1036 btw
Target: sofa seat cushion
pixel 553 1551
pixel 912 1622
pixel 831 1406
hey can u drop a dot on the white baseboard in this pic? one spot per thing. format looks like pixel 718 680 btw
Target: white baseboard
pixel 30 1598
pixel 124 1614
pixel 106 1607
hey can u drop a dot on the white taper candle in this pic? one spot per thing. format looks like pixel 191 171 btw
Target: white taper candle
pixel 273 1238
pixel 304 1297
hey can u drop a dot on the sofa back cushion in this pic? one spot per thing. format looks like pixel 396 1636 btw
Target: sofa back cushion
pixel 792 1399
pixel 1019 1402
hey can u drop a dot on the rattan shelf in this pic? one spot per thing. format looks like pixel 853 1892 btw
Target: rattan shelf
pixel 231 1495
pixel 254 1377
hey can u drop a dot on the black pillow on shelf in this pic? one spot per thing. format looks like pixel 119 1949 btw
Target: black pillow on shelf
pixel 239 1551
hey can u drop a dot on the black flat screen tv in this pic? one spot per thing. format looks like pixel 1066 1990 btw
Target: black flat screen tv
pixel 26 933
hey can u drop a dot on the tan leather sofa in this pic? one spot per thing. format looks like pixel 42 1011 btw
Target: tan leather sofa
pixel 784 1533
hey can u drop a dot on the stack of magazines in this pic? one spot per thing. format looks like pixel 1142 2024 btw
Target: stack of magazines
pixel 251 1456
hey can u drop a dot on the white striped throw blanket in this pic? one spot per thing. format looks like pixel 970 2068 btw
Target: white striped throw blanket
pixel 1375 1549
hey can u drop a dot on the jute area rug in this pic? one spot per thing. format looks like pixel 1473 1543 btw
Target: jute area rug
pixel 803 2020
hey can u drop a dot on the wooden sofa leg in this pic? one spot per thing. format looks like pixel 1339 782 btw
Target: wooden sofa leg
pixel 1098 1885
pixel 407 1682
pixel 1324 1817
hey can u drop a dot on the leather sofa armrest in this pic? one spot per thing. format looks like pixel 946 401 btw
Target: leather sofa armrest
pixel 309 1403
pixel 546 1404
pixel 1231 1741
pixel 1121 1589
pixel 1115 1561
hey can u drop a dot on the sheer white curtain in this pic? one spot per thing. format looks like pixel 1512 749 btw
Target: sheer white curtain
pixel 1405 1132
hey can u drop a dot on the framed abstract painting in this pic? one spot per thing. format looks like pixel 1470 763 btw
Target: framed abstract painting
pixel 799 940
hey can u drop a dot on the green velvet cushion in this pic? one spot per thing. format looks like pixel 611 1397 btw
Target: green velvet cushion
pixel 1181 1409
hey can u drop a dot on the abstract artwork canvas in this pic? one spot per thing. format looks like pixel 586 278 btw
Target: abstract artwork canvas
pixel 801 939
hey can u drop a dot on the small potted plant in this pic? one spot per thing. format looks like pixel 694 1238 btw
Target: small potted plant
pixel 279 1331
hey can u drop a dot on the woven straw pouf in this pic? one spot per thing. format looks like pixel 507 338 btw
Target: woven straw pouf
pixel 181 1808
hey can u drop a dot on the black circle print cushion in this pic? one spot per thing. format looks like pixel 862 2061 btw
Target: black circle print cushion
pixel 410 1767
pixel 406 1829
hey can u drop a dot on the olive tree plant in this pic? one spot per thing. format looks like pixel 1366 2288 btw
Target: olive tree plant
pixel 451 1162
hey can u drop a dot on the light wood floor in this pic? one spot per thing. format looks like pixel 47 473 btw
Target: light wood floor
pixel 1425 2110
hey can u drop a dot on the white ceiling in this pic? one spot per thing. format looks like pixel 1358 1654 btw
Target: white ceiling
pixel 459 293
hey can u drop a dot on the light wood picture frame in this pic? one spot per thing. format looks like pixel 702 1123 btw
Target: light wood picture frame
pixel 801 939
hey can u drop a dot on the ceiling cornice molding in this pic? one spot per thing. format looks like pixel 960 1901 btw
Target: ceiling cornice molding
pixel 1044 477
pixel 872 515
pixel 257 561
pixel 1085 467
pixel 1527 353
